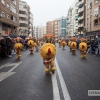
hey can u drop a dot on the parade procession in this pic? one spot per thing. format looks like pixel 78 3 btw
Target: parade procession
pixel 49 49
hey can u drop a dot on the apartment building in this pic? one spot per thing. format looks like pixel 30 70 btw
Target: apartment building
pixel 9 16
pixel 24 18
pixel 43 30
pixel 93 18
pixel 75 18
pixel 55 28
pixel 31 24
pixel 39 31
pixel 49 27
pixel 61 27
pixel 69 28
pixel 81 17
pixel 36 31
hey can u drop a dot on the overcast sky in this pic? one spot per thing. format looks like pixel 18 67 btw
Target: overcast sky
pixel 48 10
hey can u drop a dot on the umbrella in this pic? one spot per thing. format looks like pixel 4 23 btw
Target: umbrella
pixel 1 37
pixel 4 35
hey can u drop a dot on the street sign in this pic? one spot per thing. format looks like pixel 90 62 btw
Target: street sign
pixel 4 75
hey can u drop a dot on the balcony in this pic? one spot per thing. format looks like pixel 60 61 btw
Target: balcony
pixel 23 15
pixel 80 25
pixel 81 10
pixel 81 3
pixel 21 21
pixel 80 18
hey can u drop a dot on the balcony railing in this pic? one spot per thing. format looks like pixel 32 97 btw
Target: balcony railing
pixel 81 10
pixel 81 2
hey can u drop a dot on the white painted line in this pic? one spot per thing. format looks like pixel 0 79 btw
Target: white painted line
pixel 56 95
pixel 16 64
pixel 62 82
pixel 4 75
pixel 4 65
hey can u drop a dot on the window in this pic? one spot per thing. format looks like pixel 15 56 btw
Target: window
pixel 12 8
pixel 8 17
pixel 95 22
pixel 76 4
pixel 22 12
pixel 96 11
pixel 23 25
pixel 96 1
pixel 3 2
pixel 7 5
pixel 14 1
pixel 13 18
pixel 3 14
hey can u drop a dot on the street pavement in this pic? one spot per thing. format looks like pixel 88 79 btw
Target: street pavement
pixel 25 79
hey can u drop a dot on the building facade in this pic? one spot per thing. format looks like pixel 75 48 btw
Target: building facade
pixel 61 27
pixel 49 27
pixel 55 28
pixel 43 31
pixel 24 18
pixel 81 17
pixel 31 24
pixel 93 19
pixel 39 31
pixel 69 28
pixel 9 16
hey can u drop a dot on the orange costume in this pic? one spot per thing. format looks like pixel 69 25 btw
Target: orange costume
pixel 83 47
pixel 63 43
pixel 73 45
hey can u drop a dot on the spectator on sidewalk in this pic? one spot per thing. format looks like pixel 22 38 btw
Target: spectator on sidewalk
pixel 3 48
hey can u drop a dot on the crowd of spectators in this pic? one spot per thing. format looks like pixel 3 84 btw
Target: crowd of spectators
pixel 7 47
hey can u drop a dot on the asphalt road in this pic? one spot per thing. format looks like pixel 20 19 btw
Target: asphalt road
pixel 29 82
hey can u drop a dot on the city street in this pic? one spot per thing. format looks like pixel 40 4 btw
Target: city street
pixel 25 79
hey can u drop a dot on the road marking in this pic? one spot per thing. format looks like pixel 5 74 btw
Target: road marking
pixel 4 75
pixel 56 95
pixel 62 82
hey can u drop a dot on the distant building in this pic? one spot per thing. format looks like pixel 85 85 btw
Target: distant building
pixel 39 31
pixel 49 27
pixel 61 27
pixel 31 24
pixel 55 28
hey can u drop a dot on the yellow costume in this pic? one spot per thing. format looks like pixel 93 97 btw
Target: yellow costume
pixel 83 48
pixel 31 45
pixel 63 43
pixel 69 44
pixel 73 45
pixel 48 52
pixel 59 42
pixel 36 46
pixel 18 47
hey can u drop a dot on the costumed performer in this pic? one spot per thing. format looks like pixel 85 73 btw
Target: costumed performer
pixel 73 45
pixel 63 43
pixel 69 43
pixel 59 42
pixel 18 46
pixel 48 52
pixel 83 47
